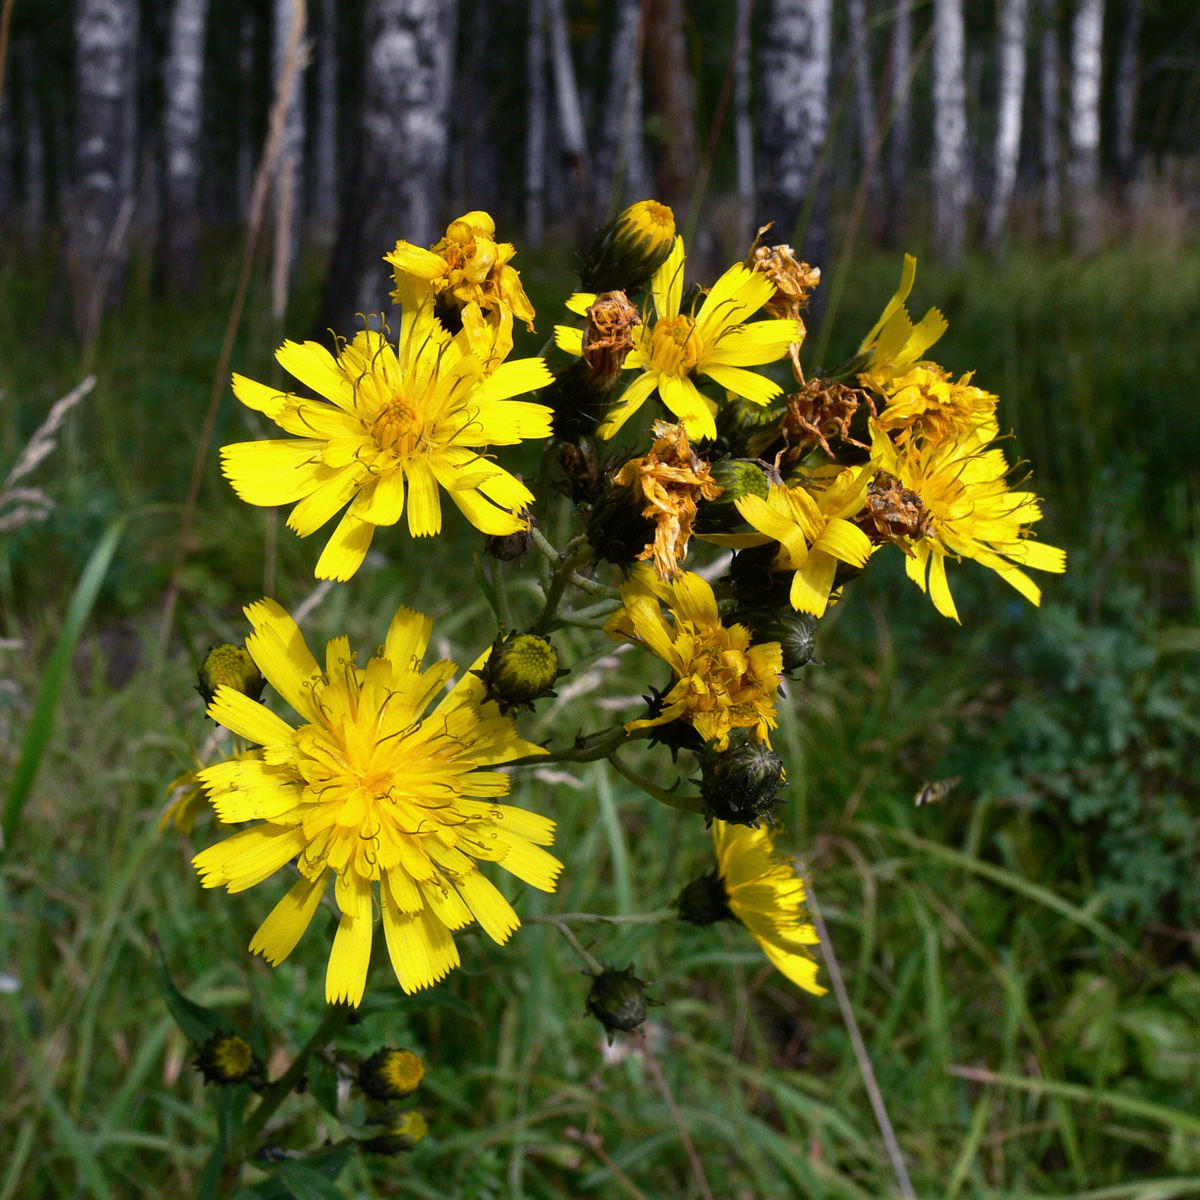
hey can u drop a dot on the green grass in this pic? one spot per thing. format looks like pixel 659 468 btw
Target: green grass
pixel 993 931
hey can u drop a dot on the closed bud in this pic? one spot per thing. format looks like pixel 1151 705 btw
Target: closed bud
pixel 616 529
pixel 617 1000
pixel 755 584
pixel 675 735
pixel 508 547
pixel 705 901
pixel 629 249
pixel 794 634
pixel 736 477
pixel 227 1058
pixel 739 785
pixel 521 668
pixel 402 1133
pixel 229 666
pixel 391 1074
pixel 608 337
pixel 578 399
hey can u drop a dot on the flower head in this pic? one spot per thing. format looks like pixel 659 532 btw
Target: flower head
pixel 926 403
pixel 398 420
pixel 468 266
pixel 966 510
pixel 765 893
pixel 670 482
pixel 391 1074
pixel 714 341
pixel 723 682
pixel 227 1058
pixel 371 790
pixel 618 1000
pixel 229 665
pixel 629 249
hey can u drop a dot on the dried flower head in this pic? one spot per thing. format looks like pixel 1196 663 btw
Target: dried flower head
pixel 793 281
pixel 671 480
pixel 893 513
pixel 820 410
pixel 607 338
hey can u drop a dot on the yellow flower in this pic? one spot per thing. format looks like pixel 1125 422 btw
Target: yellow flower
pixel 724 682
pixel 926 403
pixel 895 344
pixel 767 896
pixel 187 799
pixel 468 266
pixel 420 417
pixel 372 791
pixel 812 526
pixel 714 341
pixel 969 512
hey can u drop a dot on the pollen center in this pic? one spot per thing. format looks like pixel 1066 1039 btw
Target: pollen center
pixel 399 430
pixel 675 345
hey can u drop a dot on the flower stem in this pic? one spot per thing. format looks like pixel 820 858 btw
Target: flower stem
pixel 688 803
pixel 657 917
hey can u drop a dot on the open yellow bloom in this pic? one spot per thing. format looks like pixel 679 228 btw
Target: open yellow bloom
pixel 926 403
pixel 372 791
pixel 813 528
pixel 715 341
pixel 895 343
pixel 468 266
pixel 418 416
pixel 971 513
pixel 767 896
pixel 724 682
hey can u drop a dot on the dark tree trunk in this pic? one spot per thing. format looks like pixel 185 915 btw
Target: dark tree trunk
pixel 671 96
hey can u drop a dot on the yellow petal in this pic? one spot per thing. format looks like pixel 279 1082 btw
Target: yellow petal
pixel 494 914
pixel 316 368
pixel 514 379
pixel 249 719
pixel 319 506
pixel 758 389
pixel 407 637
pixel 346 548
pixel 259 396
pixel 568 339
pixel 694 410
pixel 346 975
pixel 580 302
pixel 939 588
pixel 249 856
pixel 667 284
pixel 279 471
pixel 531 864
pixel 424 507
pixel 485 516
pixel 631 399
pixel 278 935
pixel 812 582
pixel 278 649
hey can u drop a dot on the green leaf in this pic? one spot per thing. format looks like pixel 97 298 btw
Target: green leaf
pixel 323 1083
pixel 485 586
pixel 231 1110
pixel 197 1022
pixel 211 1179
pixel 41 724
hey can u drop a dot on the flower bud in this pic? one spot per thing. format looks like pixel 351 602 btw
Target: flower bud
pixel 391 1074
pixel 705 901
pixel 227 1058
pixel 401 1134
pixel 755 584
pixel 616 529
pixel 736 477
pixel 793 633
pixel 521 668
pixel 675 735
pixel 629 249
pixel 608 338
pixel 617 1000
pixel 578 400
pixel 229 666
pixel 739 784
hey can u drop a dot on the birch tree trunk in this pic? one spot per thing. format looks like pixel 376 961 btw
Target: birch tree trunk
pixel 901 99
pixel 183 82
pixel 290 166
pixel 325 161
pixel 399 168
pixel 1126 89
pixel 1083 124
pixel 951 184
pixel 743 126
pixel 860 64
pixel 621 156
pixel 1051 91
pixel 535 128
pixel 34 214
pixel 246 150
pixel 794 62
pixel 572 135
pixel 671 92
pixel 1014 36
pixel 106 37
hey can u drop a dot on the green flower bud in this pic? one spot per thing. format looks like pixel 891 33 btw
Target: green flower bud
pixel 739 784
pixel 227 1058
pixel 617 1000
pixel 705 901
pixel 629 249
pixel 675 735
pixel 579 399
pixel 616 529
pixel 737 477
pixel 753 582
pixel 401 1134
pixel 521 668
pixel 793 633
pixel 391 1074
pixel 229 666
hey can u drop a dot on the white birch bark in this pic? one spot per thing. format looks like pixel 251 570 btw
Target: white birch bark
pixel 566 90
pixel 1014 37
pixel 325 159
pixel 951 184
pixel 794 121
pixel 183 92
pixel 1083 122
pixel 1051 93
pixel 1126 88
pixel 289 167
pixel 34 213
pixel 743 126
pixel 621 155
pixel 535 127
pixel 106 35
pixel 860 65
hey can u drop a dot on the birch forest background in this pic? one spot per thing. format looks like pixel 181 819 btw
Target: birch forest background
pixel 185 183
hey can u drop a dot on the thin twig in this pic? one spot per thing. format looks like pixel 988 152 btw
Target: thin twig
pixel 676 1116
pixel 589 960
pixel 262 178
pixel 692 804
pixel 657 917
pixel 856 1040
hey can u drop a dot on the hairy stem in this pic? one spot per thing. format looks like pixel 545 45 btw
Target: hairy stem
pixel 691 804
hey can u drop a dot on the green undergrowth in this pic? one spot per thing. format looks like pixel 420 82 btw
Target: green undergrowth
pixel 1020 952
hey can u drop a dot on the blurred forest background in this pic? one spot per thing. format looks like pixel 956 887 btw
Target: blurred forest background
pixel 185 182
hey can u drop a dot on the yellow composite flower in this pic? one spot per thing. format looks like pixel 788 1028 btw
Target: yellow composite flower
pixel 723 682
pixel 765 893
pixel 396 805
pixel 468 266
pixel 811 522
pixel 411 418
pixel 715 341
pixel 926 403
pixel 971 513
pixel 895 344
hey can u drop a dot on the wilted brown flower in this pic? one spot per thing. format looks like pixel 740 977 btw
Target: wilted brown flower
pixel 818 411
pixel 607 338
pixel 671 480
pixel 893 513
pixel 793 281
